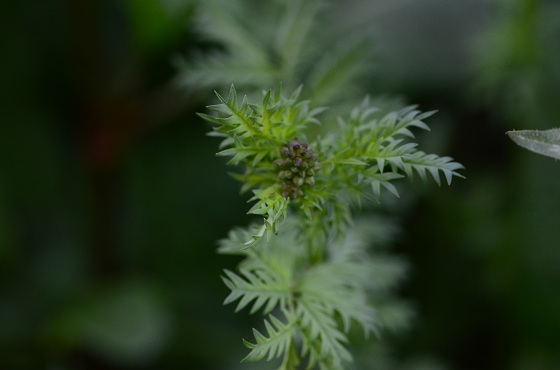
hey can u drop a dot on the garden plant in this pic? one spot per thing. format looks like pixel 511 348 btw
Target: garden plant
pixel 314 154
pixel 307 266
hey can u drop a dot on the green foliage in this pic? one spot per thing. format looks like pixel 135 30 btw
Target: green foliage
pixel 308 170
pixel 317 303
pixel 542 142
pixel 311 279
pixel 369 150
pixel 253 135
pixel 261 43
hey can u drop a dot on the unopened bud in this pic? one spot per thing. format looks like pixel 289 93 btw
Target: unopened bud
pixel 298 181
pixel 296 168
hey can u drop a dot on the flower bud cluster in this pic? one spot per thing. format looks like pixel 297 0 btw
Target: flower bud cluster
pixel 296 168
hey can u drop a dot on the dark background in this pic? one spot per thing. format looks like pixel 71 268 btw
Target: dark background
pixel 111 198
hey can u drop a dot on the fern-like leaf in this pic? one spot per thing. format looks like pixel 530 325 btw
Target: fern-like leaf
pixel 273 207
pixel 345 294
pixel 318 325
pixel 432 164
pixel 275 344
pixel 267 289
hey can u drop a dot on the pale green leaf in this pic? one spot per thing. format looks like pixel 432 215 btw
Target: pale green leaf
pixel 264 288
pixel 276 344
pixel 545 142
pixel 317 322
pixel 345 293
pixel 351 161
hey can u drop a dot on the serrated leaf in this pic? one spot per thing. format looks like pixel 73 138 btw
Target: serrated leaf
pixel 276 344
pixel 318 323
pixel 345 293
pixel 265 289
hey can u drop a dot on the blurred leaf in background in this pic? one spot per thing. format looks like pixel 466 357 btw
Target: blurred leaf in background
pixel 545 142
pixel 255 45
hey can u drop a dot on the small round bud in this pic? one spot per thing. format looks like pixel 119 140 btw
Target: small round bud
pixel 298 181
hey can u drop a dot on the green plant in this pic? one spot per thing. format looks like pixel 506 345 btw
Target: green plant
pixel 255 44
pixel 303 267
pixel 545 142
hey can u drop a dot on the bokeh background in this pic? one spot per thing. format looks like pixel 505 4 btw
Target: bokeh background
pixel 111 198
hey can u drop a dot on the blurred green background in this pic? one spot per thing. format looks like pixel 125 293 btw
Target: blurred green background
pixel 111 198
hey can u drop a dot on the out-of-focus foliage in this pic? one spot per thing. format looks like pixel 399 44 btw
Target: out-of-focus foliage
pixel 106 176
pixel 543 142
pixel 259 44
